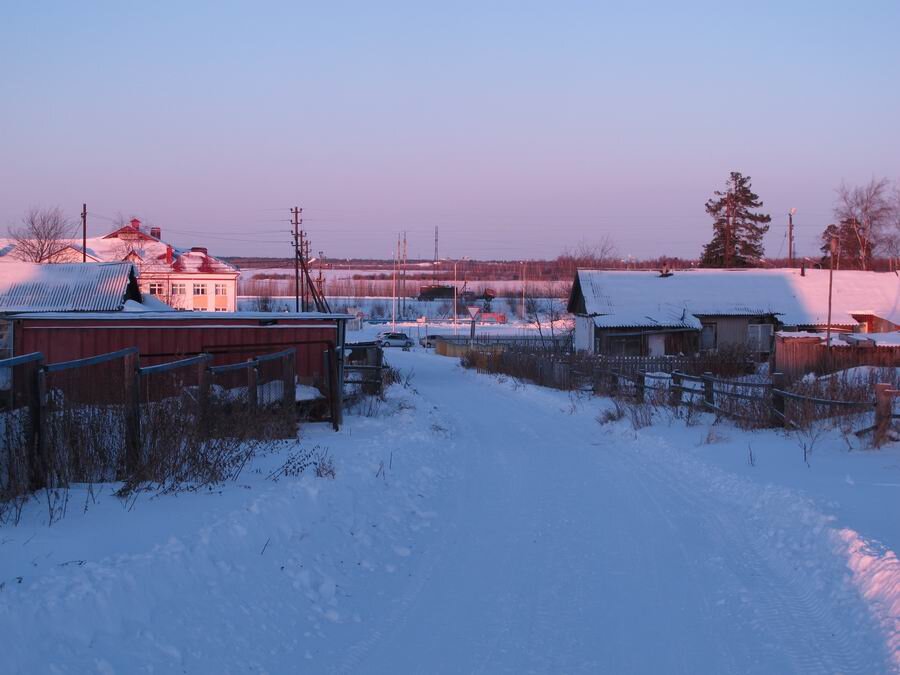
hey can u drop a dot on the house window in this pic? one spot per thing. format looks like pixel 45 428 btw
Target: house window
pixel 179 289
pixel 221 309
pixel 199 289
pixel 708 337
pixel 156 288
pixel 625 345
pixel 221 289
pixel 759 337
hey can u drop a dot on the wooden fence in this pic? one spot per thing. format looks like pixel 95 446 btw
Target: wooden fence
pixel 103 417
pixel 751 403
pixel 796 358
pixel 364 368
pixel 457 345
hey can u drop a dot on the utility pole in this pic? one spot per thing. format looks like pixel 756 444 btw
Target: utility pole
pixel 833 246
pixel 403 278
pixel 305 279
pixel 455 305
pixel 84 233
pixel 296 220
pixel 727 243
pixel 321 280
pixel 523 290
pixel 394 288
pixel 791 237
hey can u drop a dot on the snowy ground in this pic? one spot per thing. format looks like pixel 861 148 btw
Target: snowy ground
pixel 478 526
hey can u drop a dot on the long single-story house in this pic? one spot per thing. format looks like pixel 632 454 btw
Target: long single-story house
pixel 646 313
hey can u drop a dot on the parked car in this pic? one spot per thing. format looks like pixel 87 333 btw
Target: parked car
pixel 396 340
pixel 428 341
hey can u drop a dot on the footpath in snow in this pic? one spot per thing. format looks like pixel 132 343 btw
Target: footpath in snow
pixel 477 526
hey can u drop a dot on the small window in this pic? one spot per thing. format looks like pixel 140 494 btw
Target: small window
pixel 156 288
pixel 708 337
pixel 759 337
pixel 221 309
pixel 199 289
pixel 221 289
pixel 179 289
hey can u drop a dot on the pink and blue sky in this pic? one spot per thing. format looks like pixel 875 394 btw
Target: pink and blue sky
pixel 519 128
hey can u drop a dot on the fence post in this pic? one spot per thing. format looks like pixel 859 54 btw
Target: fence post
pixel 203 393
pixel 639 383
pixel 778 416
pixel 42 432
pixel 883 411
pixel 613 383
pixel 675 390
pixel 132 365
pixel 252 380
pixel 709 398
pixel 289 371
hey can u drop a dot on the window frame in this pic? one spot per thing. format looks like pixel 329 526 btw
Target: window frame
pixel 704 326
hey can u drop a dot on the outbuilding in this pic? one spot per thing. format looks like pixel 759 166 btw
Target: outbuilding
pixel 648 313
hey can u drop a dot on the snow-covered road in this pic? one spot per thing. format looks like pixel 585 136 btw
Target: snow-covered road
pixel 475 526
pixel 571 550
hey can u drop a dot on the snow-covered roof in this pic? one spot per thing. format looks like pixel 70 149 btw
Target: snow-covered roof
pixel 147 252
pixel 876 339
pixel 227 318
pixel 72 287
pixel 645 298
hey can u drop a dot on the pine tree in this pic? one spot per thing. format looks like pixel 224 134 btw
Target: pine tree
pixel 853 252
pixel 737 229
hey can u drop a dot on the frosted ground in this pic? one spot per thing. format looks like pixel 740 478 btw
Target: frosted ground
pixel 476 525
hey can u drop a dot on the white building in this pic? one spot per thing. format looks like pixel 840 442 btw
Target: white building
pixel 187 279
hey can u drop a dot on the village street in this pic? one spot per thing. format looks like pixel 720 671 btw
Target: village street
pixel 570 548
pixel 474 525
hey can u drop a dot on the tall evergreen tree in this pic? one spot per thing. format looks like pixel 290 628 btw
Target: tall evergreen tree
pixel 737 229
pixel 853 252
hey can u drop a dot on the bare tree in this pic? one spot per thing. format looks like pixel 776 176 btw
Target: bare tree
pixel 591 255
pixel 870 210
pixel 43 235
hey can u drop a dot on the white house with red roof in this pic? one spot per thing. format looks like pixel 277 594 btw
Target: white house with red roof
pixel 186 279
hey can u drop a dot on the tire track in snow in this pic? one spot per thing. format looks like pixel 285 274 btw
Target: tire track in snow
pixel 789 602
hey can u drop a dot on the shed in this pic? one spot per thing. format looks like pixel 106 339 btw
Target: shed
pixel 167 336
pixel 648 313
pixel 76 287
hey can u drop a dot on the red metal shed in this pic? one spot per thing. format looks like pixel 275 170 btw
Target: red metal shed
pixel 168 336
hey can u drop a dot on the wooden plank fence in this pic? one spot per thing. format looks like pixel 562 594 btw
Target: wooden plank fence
pixel 85 419
pixel 796 358
pixel 755 403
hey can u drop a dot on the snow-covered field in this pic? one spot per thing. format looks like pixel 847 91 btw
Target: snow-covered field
pixel 476 525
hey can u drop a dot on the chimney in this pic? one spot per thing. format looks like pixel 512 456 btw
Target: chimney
pixel 199 249
pixel 156 232
pixel 168 255
pixel 135 224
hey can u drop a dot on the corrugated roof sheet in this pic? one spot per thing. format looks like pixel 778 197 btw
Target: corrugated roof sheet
pixel 74 287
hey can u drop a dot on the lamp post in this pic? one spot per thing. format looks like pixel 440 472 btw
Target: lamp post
pixel 791 237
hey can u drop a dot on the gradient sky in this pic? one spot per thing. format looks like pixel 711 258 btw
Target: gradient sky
pixel 520 128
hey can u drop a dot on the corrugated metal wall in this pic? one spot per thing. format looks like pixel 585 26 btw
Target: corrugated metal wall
pixel 161 341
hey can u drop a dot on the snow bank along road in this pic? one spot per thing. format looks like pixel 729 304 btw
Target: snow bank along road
pixel 474 526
